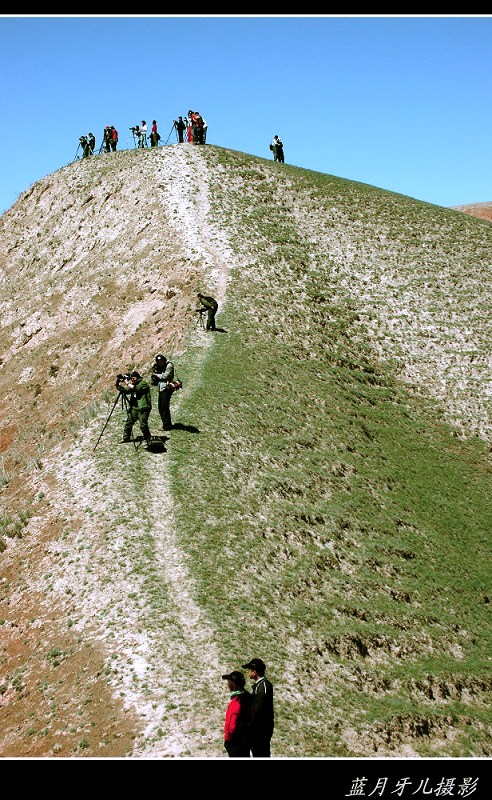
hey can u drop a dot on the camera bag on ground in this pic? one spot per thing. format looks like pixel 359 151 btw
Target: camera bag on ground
pixel 156 444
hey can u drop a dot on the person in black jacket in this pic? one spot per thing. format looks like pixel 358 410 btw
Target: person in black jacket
pixel 262 718
pixel 211 305
pixel 180 126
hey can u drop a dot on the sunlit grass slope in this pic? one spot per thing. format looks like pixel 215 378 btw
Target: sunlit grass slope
pixel 337 525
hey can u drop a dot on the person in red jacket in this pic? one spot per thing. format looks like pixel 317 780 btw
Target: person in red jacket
pixel 237 715
pixel 114 138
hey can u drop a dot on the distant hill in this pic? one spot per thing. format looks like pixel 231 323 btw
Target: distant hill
pixel 480 210
pixel 324 499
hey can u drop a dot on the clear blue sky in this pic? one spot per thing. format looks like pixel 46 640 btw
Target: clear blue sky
pixel 401 102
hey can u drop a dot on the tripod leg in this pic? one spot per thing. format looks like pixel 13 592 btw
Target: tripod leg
pixel 109 417
pixel 170 132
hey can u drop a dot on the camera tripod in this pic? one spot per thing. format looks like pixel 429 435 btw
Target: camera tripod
pixel 201 318
pixel 104 147
pixel 170 132
pixel 124 406
pixel 139 137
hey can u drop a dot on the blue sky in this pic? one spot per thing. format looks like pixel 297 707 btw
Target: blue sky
pixel 401 102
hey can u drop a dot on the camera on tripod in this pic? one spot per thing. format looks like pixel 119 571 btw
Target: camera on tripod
pixel 122 379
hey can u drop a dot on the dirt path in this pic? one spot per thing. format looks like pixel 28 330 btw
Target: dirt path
pixel 125 570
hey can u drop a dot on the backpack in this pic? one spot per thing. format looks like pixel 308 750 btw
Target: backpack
pixel 271 147
pixel 156 444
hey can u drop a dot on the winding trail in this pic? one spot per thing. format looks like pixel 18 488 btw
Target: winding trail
pixel 130 577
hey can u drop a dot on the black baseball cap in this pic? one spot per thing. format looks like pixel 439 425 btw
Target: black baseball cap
pixel 235 676
pixel 256 663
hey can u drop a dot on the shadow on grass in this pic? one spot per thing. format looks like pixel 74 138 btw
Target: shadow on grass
pixel 180 426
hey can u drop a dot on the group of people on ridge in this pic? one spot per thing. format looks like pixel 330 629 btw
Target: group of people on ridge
pixel 140 131
pixel 87 143
pixel 193 126
pixel 249 719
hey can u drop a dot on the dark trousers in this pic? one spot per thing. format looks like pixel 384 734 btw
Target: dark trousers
pixel 260 747
pixel 133 414
pixel 211 312
pixel 163 405
pixel 237 750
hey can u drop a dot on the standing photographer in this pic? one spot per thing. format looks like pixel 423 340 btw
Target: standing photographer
pixel 162 376
pixel 180 126
pixel 139 405
pixel 143 134
pixel 86 151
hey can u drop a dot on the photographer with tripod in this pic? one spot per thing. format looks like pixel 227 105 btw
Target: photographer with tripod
pixel 180 126
pixel 84 144
pixel 143 135
pixel 210 305
pixel 138 404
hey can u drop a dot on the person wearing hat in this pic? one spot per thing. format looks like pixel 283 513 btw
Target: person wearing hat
pixel 162 376
pixel 262 718
pixel 237 716
pixel 139 405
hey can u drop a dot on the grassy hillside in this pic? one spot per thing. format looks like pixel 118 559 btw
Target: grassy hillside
pixel 343 522
pixel 324 501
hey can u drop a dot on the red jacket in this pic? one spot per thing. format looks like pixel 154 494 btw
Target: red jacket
pixel 236 717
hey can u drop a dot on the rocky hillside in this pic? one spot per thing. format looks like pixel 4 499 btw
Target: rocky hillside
pixel 111 646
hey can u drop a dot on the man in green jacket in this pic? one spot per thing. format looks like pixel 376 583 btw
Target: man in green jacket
pixel 138 406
